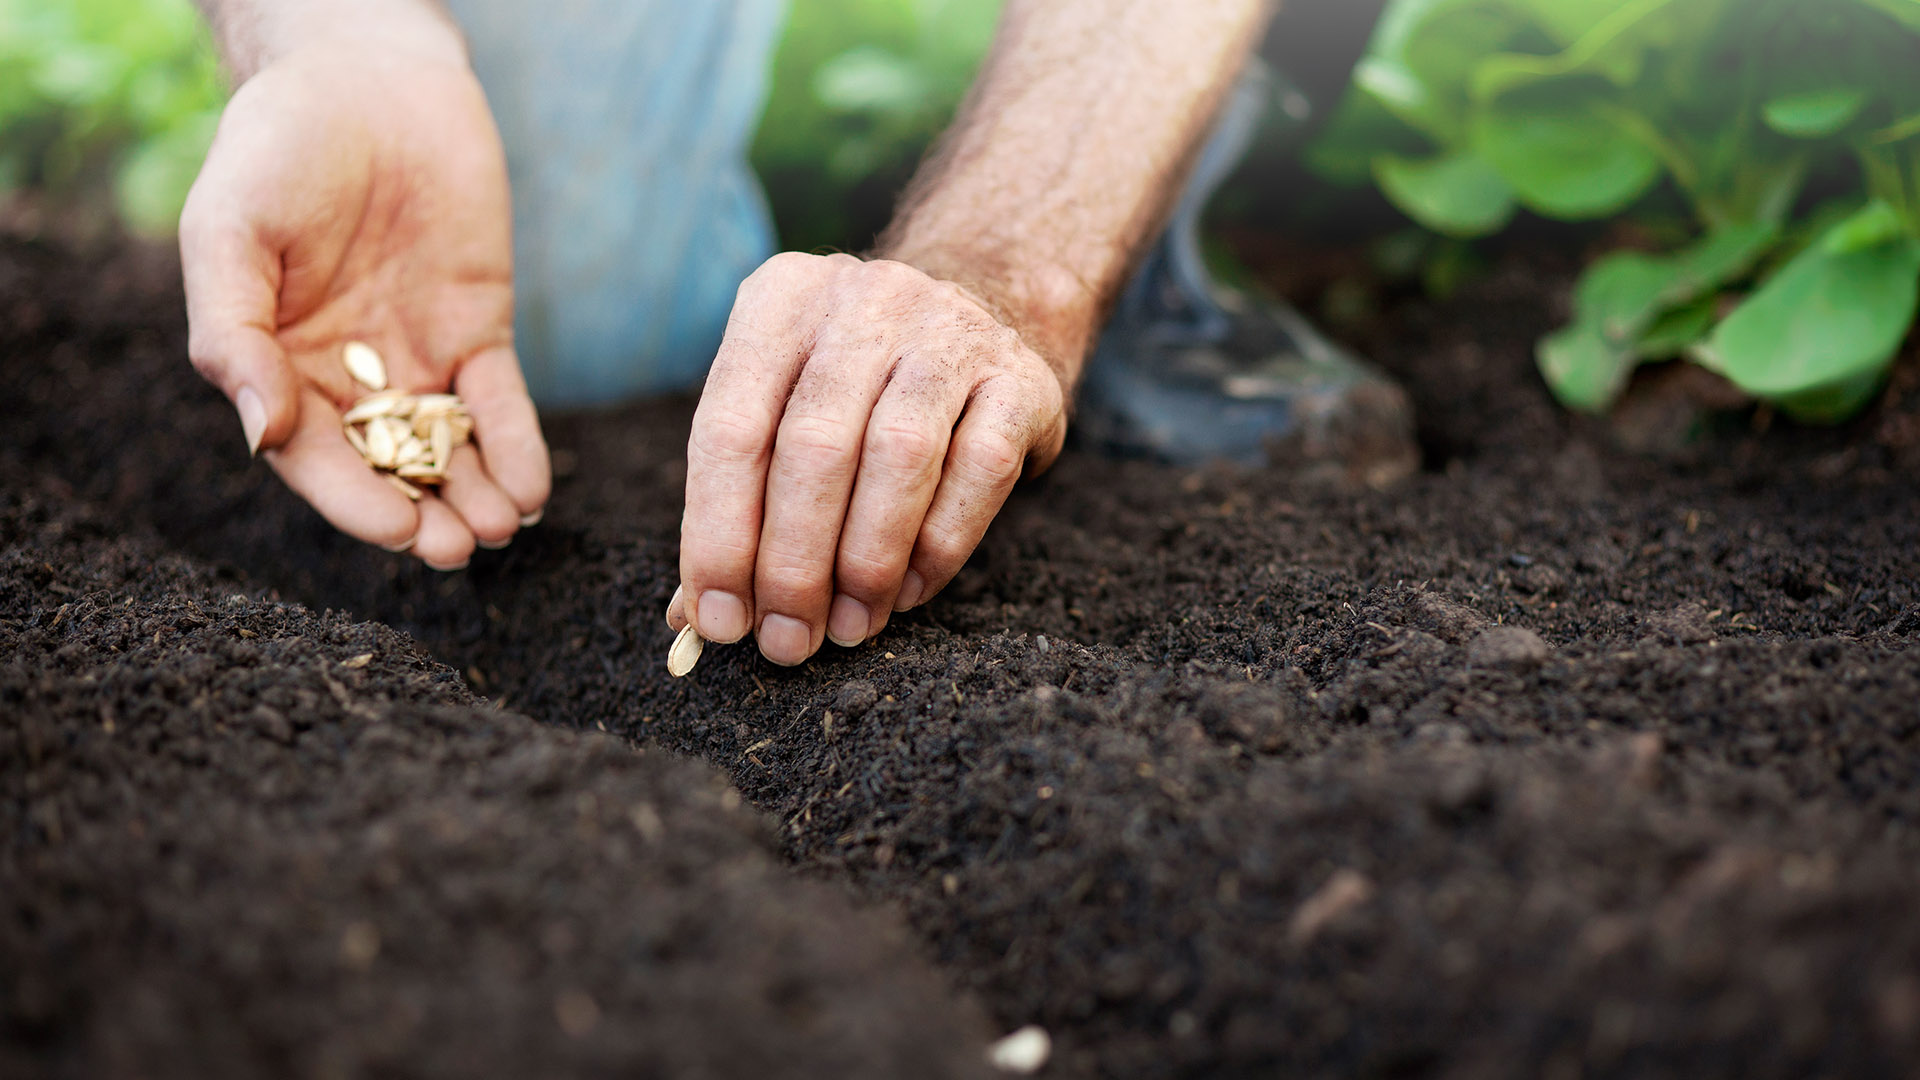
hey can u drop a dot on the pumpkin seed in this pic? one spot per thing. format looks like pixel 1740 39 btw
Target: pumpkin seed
pixel 685 651
pixel 365 365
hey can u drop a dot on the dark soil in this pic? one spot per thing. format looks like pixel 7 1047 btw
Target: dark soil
pixel 1555 761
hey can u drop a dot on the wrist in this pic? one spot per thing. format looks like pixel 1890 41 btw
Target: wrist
pixel 1053 309
pixel 253 34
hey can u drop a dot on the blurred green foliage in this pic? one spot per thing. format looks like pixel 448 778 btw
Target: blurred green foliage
pixel 860 89
pixel 1465 111
pixel 110 105
pixel 106 102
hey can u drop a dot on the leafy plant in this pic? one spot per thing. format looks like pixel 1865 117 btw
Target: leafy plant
pixel 1466 111
pixel 106 99
pixel 860 88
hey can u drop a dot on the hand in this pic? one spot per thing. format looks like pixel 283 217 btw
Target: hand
pixel 360 193
pixel 862 425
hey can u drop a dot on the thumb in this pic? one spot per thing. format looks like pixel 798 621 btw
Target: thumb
pixel 232 285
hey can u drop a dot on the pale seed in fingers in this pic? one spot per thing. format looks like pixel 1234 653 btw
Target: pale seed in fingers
pixel 442 439
pixel 412 452
pixel 431 405
pixel 365 365
pixel 403 487
pixel 685 652
pixel 384 403
pixel 423 472
pixel 381 448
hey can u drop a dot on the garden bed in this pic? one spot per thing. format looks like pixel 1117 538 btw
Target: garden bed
pixel 1555 760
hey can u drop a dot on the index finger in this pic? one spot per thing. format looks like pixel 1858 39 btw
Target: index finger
pixel 232 282
pixel 728 454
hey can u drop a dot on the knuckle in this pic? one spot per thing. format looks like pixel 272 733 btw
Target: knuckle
pixel 708 553
pixel 786 579
pixel 864 573
pixel 726 436
pixel 896 272
pixel 941 552
pixel 812 444
pixel 988 456
pixel 897 283
pixel 782 266
pixel 958 296
pixel 1003 340
pixel 902 448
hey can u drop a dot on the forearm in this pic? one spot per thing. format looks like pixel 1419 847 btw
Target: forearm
pixel 253 33
pixel 1068 155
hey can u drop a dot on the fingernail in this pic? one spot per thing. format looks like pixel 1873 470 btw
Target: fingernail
pixel 461 565
pixel 493 545
pixel 402 547
pixel 911 587
pixel 784 640
pixel 253 417
pixel 528 521
pixel 848 621
pixel 723 618
pixel 674 607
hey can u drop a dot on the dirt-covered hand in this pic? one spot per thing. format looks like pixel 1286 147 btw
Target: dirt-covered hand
pixel 862 425
pixel 360 193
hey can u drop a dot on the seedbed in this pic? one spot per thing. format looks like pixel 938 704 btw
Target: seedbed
pixel 1555 760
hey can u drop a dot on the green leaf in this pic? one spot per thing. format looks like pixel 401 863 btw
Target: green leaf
pixel 1620 302
pixel 152 184
pixel 1830 318
pixel 1612 41
pixel 1587 364
pixel 1816 114
pixel 1457 194
pixel 1564 160
pixel 1836 402
pixel 1907 11
pixel 1873 225
pixel 870 79
pixel 1423 54
pixel 1360 131
pixel 1679 330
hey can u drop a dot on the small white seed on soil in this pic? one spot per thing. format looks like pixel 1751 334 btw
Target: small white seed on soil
pixel 1025 1051
pixel 685 651
pixel 365 365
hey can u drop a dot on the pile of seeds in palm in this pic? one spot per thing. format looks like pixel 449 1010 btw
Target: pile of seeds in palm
pixel 408 438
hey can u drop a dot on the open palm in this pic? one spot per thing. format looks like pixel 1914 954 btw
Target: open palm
pixel 363 196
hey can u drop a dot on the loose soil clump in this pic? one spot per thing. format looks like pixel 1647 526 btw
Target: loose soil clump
pixel 1555 760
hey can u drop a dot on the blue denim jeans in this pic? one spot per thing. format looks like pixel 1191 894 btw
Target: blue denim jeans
pixel 636 215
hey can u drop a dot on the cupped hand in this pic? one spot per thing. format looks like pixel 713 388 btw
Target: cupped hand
pixel 862 425
pixel 355 194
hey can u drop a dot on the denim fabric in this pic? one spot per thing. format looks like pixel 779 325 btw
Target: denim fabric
pixel 626 124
